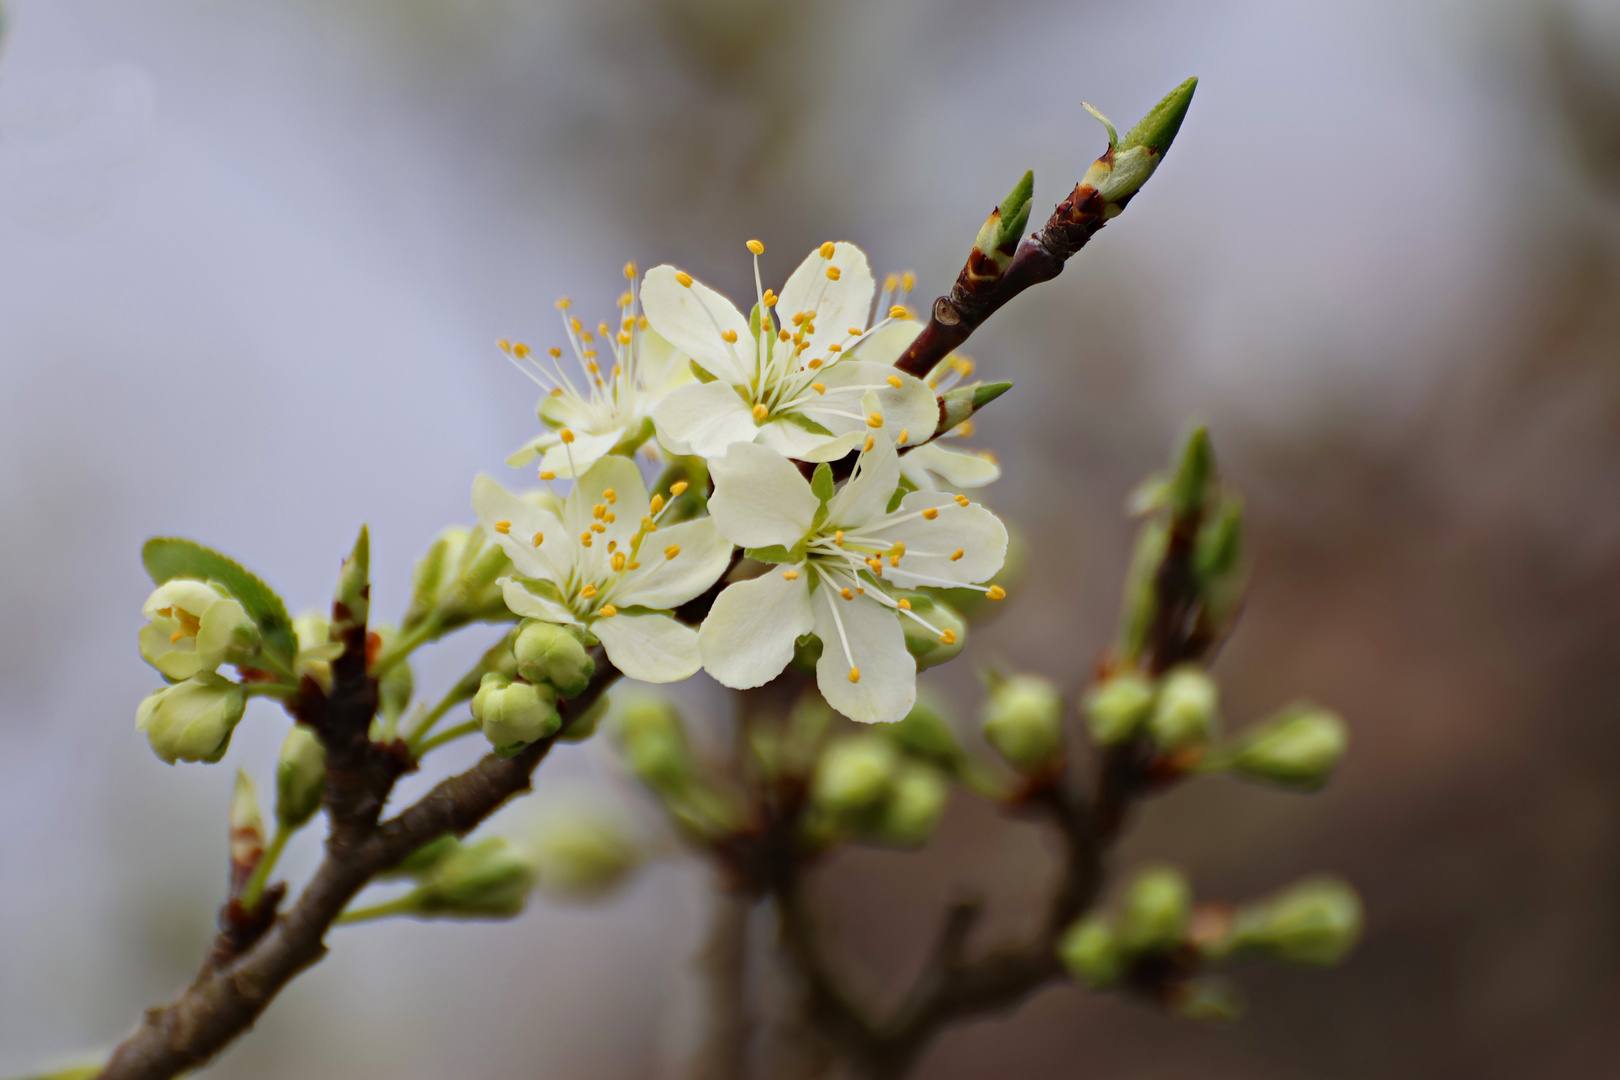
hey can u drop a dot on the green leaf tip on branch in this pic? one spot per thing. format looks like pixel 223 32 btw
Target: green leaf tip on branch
pixel 1014 211
pixel 351 603
pixel 998 237
pixel 961 403
pixel 1157 130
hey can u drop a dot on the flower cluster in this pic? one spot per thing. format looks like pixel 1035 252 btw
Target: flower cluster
pixel 760 407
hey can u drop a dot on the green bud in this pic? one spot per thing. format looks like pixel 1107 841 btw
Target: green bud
pixel 246 827
pixel 583 856
pixel 1185 712
pixel 548 653
pixel 1014 210
pixel 1141 588
pixel 1219 549
pixel 854 774
pixel 1297 749
pixel 300 777
pixel 1157 130
pixel 916 803
pixel 926 735
pixel 584 726
pixel 395 688
pixel 1132 160
pixel 316 649
pixel 932 647
pixel 193 627
pixel 962 402
pixel 1090 950
pixel 1314 923
pixel 1023 720
pixel 192 720
pixel 653 740
pixel 1190 489
pixel 435 573
pixel 1153 915
pixel 489 880
pixel 514 714
pixel 1117 708
pixel 423 860
pixel 353 594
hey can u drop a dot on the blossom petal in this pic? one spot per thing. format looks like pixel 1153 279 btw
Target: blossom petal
pixel 792 441
pixel 664 582
pixel 693 319
pixel 971 529
pixel 866 636
pixel 760 499
pixel 886 344
pixel 649 648
pixel 840 305
pixel 703 419
pixel 910 407
pixel 866 496
pixel 520 601
pixel 959 469
pixel 749 635
pixel 586 450
pixel 494 504
pixel 628 506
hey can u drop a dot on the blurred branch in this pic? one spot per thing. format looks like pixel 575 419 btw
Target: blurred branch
pixel 239 981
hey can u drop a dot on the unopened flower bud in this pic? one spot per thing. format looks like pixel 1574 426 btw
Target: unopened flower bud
pixel 488 880
pixel 1090 950
pixel 316 649
pixel 193 628
pixel 435 573
pixel 854 774
pixel 926 735
pixel 421 862
pixel 246 829
pixel 941 640
pixel 650 734
pixel 192 720
pixel 514 714
pixel 351 600
pixel 1297 749
pixel 548 653
pixel 1184 714
pixel 581 855
pixel 1314 923
pixel 1154 913
pixel 916 802
pixel 1117 708
pixel 1023 720
pixel 398 683
pixel 300 777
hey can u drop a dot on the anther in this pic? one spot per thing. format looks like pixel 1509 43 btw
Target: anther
pixel 506 346
pixel 554 353
pixel 891 283
pixel 678 487
pixel 962 500
pixel 833 273
pixel 783 335
pixel 835 348
pixel 684 278
pixel 948 637
pixel 585 538
pixel 874 420
pixel 812 365
pixel 964 430
pixel 563 303
pixel 827 250
pixel 957 554
pixel 521 351
pixel 599 511
pixel 905 605
pixel 539 538
pixel 854 674
pixel 598 527
pixel 566 435
pixel 657 503
pixel 618 561
pixel 756 247
pixel 630 270
pixel 997 593
pixel 846 594
pixel 547 474
pixel 894 381
pixel 760 413
pixel 931 513
pixel 609 518
pixel 587 592
pixel 672 551
pixel 729 336
pixel 907 282
pixel 770 298
pixel 870 442
pixel 610 496
pixel 905 432
pixel 899 312
pixel 798 318
pixel 176 636
pixel 503 527
pixel 838 537
pixel 608 611
pixel 790 575
pixel 819 387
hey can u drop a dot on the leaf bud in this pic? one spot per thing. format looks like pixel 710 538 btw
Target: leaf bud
pixel 916 802
pixel 1297 749
pixel 192 720
pixel 1195 474
pixel 1154 913
pixel 548 653
pixel 246 828
pixel 650 735
pixel 581 855
pixel 514 714
pixel 1090 950
pixel 1184 714
pixel 487 880
pixel 300 777
pixel 351 601
pixel 1023 720
pixel 1117 707
pixel 1314 923
pixel 941 640
pixel 194 627
pixel 926 735
pixel 854 774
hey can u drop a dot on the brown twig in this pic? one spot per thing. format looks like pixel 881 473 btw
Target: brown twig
pixel 226 999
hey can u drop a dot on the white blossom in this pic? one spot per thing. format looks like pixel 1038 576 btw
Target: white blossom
pixel 784 378
pixel 606 564
pixel 836 558
pixel 623 372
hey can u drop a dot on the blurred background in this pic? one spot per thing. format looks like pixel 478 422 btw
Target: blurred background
pixel 253 261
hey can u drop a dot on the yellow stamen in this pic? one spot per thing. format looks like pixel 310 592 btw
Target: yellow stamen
pixel 948 637
pixel 521 351
pixel 729 336
pixel 962 500
pixel 648 524
pixel 833 273
pixel 630 270
pixel 874 420
pixel 585 538
pixel 503 527
pixel 957 554
pixel 790 575
pixel 783 335
pixel 598 527
pixel 657 503
pixel 677 488
pixel 891 283
pixel 846 594
pixel 760 413
pixel 827 250
pixel 835 348
pixel 899 312
pixel 684 278
pixel 547 475
pixel 608 611
pixel 907 282
pixel 176 636
pixel 588 592
pixel 819 387
pixel 506 346
pixel 904 433
pixel 563 303
pixel 798 318
pixel 931 513
pixel 838 537
pixel 756 247
pixel 870 442
pixel 905 605
pixel 770 298
pixel 566 435
pixel 854 674
pixel 894 381
pixel 610 496
pixel 672 551
pixel 618 561
pixel 812 365
pixel 965 429
pixel 997 593
pixel 599 511
pixel 554 353
pixel 539 538
pixel 609 518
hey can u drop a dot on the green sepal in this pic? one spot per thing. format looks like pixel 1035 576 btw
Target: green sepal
pixel 1158 128
pixel 776 553
pixel 167 558
pixel 801 421
pixel 504 752
pixel 906 488
pixel 700 374
pixel 821 483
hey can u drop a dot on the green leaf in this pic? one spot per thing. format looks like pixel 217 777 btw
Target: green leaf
pixel 1014 209
pixel 776 553
pixel 821 483
pixel 1191 486
pixel 1158 128
pixel 167 558
pixel 1113 136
